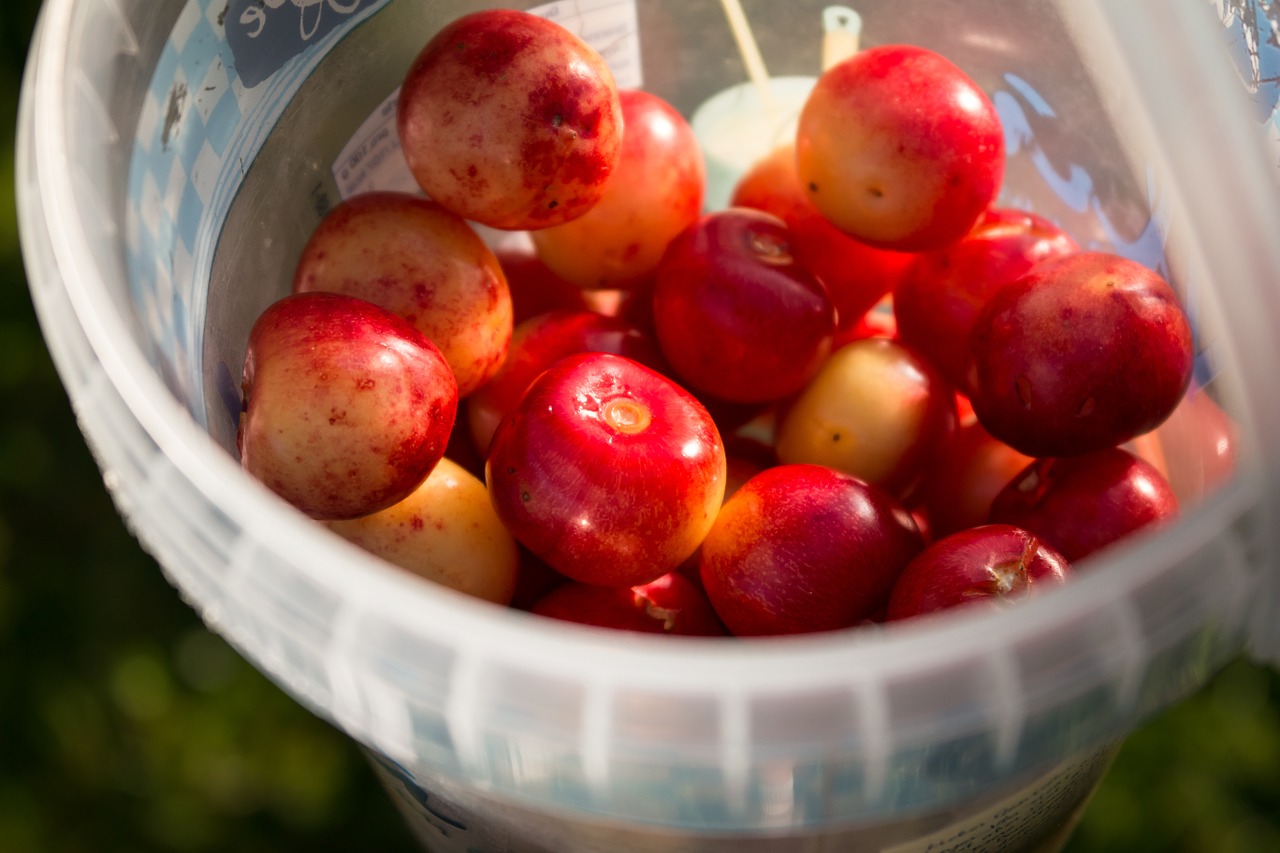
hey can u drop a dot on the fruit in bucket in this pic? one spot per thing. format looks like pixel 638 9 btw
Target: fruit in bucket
pixel 347 407
pixel 655 192
pixel 876 410
pixel 607 470
pixel 510 120
pixel 737 316
pixel 672 605
pixel 602 439
pixel 989 564
pixel 900 148
pixel 445 531
pixel 971 469
pixel 1081 504
pixel 942 291
pixel 540 342
pixel 1082 353
pixel 856 274
pixel 535 289
pixel 805 548
pixel 418 260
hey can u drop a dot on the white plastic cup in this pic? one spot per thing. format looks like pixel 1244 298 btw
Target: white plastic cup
pixel 735 129
pixel 174 156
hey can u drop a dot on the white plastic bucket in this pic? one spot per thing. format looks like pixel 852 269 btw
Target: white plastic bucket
pixel 172 159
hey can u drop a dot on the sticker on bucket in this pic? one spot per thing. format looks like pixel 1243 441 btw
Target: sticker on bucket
pixel 265 34
pixel 454 818
pixel 441 826
pixel 1026 818
pixel 372 160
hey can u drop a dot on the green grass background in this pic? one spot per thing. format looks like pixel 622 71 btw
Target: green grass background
pixel 126 726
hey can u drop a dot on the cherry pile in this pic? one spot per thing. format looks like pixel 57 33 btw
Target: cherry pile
pixel 863 392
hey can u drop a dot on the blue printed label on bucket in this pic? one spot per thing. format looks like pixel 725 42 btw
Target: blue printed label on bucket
pixel 265 34
pixel 201 125
pixel 1039 817
pixel 440 826
pixel 372 160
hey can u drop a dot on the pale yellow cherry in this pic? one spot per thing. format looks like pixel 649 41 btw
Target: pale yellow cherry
pixel 446 532
pixel 875 410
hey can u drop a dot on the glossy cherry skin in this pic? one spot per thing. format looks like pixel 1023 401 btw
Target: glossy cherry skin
pixel 539 343
pixel 805 548
pixel 989 564
pixel 1082 353
pixel 941 292
pixel 737 316
pixel 672 605
pixel 1081 504
pixel 347 407
pixel 607 470
pixel 510 120
pixel 900 148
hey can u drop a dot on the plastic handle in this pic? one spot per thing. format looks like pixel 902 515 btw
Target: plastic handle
pixel 841 34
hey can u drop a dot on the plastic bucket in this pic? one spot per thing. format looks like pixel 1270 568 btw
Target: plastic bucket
pixel 172 159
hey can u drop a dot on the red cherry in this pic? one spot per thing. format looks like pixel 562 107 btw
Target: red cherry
pixel 990 564
pixel 607 470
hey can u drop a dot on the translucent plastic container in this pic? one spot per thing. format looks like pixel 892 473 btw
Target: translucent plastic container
pixel 173 157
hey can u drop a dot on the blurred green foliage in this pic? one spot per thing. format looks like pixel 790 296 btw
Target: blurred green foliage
pixel 125 725
pixel 1204 776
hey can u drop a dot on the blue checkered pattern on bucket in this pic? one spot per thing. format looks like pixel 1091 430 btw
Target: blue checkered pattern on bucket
pixel 199 128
